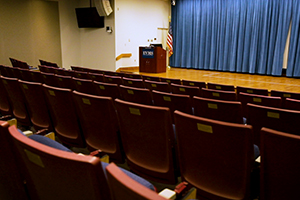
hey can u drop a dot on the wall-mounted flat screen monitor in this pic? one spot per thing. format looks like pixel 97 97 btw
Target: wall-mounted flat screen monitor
pixel 89 18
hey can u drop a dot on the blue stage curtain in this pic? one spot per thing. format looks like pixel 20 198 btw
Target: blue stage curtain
pixel 231 35
pixel 293 68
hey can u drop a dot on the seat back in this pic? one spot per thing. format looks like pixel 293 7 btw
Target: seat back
pixel 137 95
pixel 96 77
pixel 12 184
pixel 219 94
pixel 188 90
pixel 60 71
pixel 47 63
pixel 58 174
pixel 274 118
pixel 279 169
pixel 111 73
pixel 291 104
pixel 64 116
pixel 171 80
pixel 113 79
pixel 37 76
pixel 50 79
pixel 65 82
pixel 173 102
pixel 99 123
pixel 108 89
pixel 200 84
pixel 158 86
pixel 26 75
pixel 130 82
pixel 46 69
pixel 17 100
pixel 77 68
pixel 249 90
pixel 85 86
pixel 5 104
pixel 17 73
pixel 125 188
pixel 132 76
pixel 283 94
pixel 216 86
pixel 82 75
pixel 148 140
pixel 259 100
pixel 151 78
pixel 204 144
pixel 37 107
pixel 19 64
pixel 227 111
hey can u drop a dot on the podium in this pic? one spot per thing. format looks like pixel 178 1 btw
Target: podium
pixel 152 59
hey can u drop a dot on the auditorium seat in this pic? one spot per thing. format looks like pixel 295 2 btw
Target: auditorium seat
pixel 36 105
pixel 111 73
pixel 108 89
pixel 132 76
pixel 17 73
pixel 279 169
pixel 219 94
pixel 64 116
pixel 60 71
pixel 137 95
pixel 57 174
pixel 249 90
pixel 171 80
pixel 291 104
pixel 258 100
pixel 17 100
pixel 273 118
pixel 217 86
pixel 37 76
pixel 46 69
pixel 227 111
pixel 99 123
pixel 113 79
pixel 216 157
pixel 70 73
pixel 5 104
pixel 65 81
pixel 130 82
pixel 96 77
pixel 82 75
pixel 187 90
pixel 77 68
pixel 158 86
pixel 50 79
pixel 200 84
pixel 26 75
pixel 148 140
pixel 12 179
pixel 284 94
pixel 85 86
pixel 5 72
pixel 151 78
pixel 125 188
pixel 47 63
pixel 173 102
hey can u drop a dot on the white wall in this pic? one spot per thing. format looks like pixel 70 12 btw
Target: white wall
pixel 87 47
pixel 137 21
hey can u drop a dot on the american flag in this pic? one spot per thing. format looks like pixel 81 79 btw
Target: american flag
pixel 170 40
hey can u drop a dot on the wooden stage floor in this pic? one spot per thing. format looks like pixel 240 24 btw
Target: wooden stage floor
pixel 237 79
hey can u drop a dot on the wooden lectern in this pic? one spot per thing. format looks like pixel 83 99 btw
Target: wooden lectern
pixel 152 59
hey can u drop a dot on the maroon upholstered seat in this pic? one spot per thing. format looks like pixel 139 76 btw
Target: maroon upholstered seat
pixel 148 140
pixel 227 111
pixel 279 169
pixel 216 157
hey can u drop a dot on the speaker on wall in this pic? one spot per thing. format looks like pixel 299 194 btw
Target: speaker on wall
pixel 103 7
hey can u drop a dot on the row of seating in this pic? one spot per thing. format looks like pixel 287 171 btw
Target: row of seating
pixel 32 170
pixel 267 114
